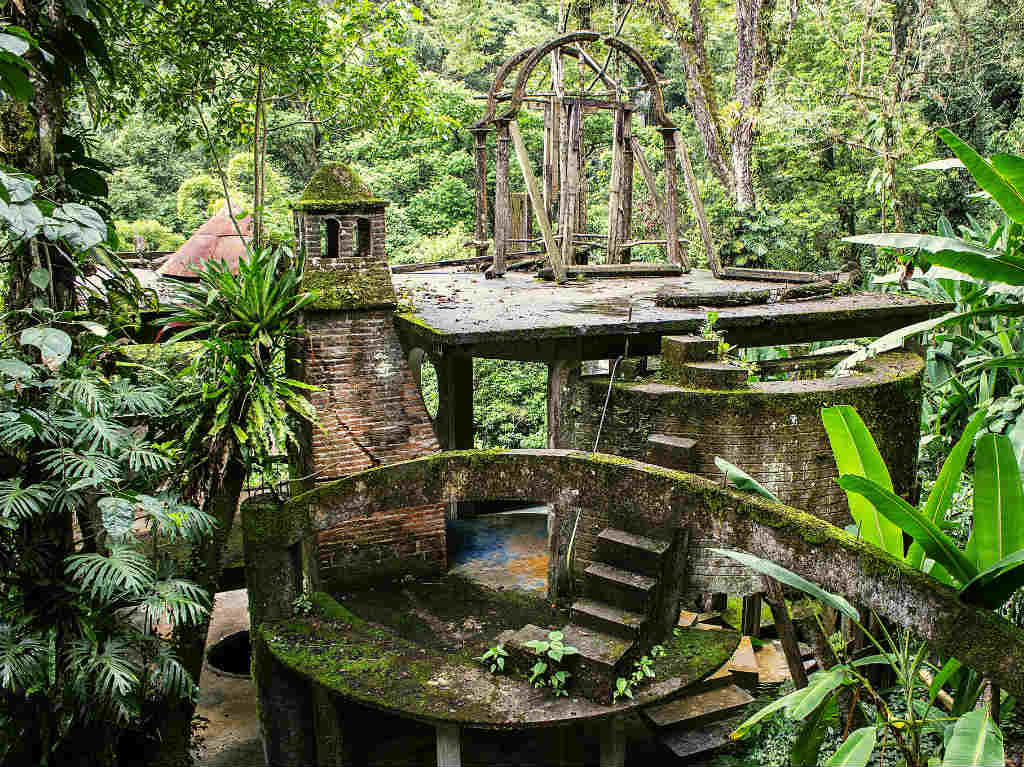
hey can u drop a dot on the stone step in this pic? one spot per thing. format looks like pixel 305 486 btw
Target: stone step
pixel 634 553
pixel 621 588
pixel 601 658
pixel 686 742
pixel 521 657
pixel 699 710
pixel 599 616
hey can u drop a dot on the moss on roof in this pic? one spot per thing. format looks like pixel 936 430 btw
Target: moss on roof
pixel 336 182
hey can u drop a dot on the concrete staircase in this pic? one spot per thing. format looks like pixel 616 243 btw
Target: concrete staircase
pixel 611 624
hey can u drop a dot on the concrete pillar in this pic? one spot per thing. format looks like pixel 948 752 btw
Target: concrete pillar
pixel 449 746
pixel 455 405
pixel 613 742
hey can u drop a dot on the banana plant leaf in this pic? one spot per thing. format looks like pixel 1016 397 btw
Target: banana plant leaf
pixel 936 544
pixel 798 703
pixel 855 452
pixel 954 253
pixel 998 503
pixel 976 741
pixel 744 481
pixel 988 177
pixel 947 483
pixel 856 749
pixel 992 587
pixel 792 579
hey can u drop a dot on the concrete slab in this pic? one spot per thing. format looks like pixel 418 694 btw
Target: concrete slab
pixel 521 317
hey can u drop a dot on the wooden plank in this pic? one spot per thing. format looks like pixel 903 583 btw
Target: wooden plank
pixel 698 209
pixel 777 275
pixel 538 203
pixel 427 266
pixel 787 634
pixel 619 270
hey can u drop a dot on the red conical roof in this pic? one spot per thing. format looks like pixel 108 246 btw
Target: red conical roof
pixel 216 240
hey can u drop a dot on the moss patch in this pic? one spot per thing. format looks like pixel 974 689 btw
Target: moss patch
pixel 378 666
pixel 336 182
pixel 346 289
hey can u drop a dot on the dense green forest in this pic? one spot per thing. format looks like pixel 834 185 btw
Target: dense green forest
pixel 851 105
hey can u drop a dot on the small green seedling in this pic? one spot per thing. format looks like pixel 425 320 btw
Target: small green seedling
pixel 495 658
pixel 554 647
pixel 537 673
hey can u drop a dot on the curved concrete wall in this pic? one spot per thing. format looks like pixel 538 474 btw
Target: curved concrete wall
pixel 773 431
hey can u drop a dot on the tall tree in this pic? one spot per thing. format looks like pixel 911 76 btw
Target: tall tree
pixel 728 135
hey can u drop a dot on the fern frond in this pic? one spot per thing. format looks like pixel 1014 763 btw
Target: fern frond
pixel 177 602
pixel 125 571
pixel 22 659
pixel 17 502
pixel 64 464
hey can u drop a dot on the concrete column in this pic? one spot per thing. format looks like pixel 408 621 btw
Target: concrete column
pixel 558 381
pixel 613 742
pixel 449 746
pixel 455 402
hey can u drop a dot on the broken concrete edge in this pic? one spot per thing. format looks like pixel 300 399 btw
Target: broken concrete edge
pixel 369 664
pixel 662 497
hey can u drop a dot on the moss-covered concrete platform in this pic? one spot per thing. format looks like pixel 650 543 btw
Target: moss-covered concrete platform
pixel 522 317
pixel 413 655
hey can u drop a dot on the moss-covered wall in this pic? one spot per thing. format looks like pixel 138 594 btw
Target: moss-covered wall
pixel 657 498
pixel 773 431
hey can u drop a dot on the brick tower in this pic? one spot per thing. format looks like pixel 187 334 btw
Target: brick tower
pixel 369 410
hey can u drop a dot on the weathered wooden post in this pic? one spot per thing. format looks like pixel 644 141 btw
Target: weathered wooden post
pixel 480 153
pixel 502 213
pixel 626 185
pixel 668 135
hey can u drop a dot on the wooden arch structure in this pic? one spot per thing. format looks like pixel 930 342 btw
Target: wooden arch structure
pixel 558 200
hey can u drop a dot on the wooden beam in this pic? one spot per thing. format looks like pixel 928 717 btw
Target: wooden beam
pixel 787 634
pixel 675 255
pixel 648 176
pixel 698 210
pixel 480 152
pixel 626 187
pixel 538 203
pixel 502 220
pixel 570 185
pixel 614 209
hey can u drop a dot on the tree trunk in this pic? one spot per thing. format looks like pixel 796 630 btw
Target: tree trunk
pixel 216 490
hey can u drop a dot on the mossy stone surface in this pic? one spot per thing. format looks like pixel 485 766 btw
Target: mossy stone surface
pixel 336 186
pixel 347 289
pixel 376 665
